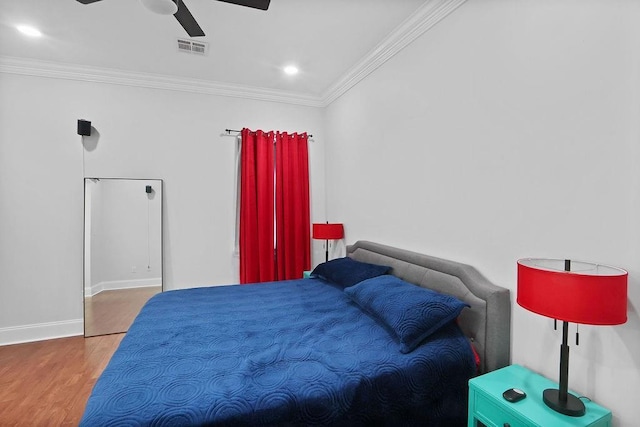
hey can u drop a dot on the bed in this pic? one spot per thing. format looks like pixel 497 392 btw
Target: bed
pixel 304 352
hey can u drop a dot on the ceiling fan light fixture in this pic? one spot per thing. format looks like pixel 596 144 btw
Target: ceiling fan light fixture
pixel 162 7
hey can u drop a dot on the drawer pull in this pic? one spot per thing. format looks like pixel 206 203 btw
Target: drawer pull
pixel 507 425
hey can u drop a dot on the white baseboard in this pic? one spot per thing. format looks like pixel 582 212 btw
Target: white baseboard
pixel 121 284
pixel 41 331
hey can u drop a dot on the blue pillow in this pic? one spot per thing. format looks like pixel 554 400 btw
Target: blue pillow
pixel 411 312
pixel 347 271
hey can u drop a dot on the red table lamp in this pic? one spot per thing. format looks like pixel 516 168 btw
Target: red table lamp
pixel 577 292
pixel 327 232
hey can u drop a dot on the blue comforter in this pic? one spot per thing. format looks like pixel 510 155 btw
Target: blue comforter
pixel 284 353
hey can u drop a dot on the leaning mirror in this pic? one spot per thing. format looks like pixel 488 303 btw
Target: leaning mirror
pixel 122 251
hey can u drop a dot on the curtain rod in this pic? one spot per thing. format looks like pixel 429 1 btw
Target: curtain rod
pixel 228 131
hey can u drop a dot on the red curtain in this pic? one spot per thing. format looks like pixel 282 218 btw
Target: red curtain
pixel 257 258
pixel 287 177
pixel 293 234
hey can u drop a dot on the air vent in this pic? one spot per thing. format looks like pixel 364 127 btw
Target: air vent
pixel 193 46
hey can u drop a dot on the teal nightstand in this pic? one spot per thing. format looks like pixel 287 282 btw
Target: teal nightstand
pixel 488 408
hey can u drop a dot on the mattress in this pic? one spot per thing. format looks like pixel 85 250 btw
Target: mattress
pixel 282 353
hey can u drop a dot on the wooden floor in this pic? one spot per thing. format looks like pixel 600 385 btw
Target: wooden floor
pixel 47 383
pixel 113 311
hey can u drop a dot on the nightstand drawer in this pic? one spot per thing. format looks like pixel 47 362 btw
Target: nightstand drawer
pixel 493 415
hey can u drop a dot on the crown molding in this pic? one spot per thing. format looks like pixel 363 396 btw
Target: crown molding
pixel 425 18
pixel 56 70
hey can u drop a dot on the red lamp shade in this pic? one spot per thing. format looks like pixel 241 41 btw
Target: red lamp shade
pixel 577 292
pixel 328 231
pixel 591 294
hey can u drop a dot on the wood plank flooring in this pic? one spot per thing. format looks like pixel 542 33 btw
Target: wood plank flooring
pixel 47 383
pixel 113 311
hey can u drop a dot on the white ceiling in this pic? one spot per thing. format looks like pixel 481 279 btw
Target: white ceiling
pixel 247 47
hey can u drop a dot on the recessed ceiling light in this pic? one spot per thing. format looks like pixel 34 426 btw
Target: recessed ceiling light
pixel 291 70
pixel 29 31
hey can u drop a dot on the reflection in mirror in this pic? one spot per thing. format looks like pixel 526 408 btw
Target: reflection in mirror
pixel 122 251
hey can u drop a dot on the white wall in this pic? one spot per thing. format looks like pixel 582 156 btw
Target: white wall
pixel 142 133
pixel 511 129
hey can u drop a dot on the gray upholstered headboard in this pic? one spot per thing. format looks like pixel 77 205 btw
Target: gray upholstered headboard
pixel 487 322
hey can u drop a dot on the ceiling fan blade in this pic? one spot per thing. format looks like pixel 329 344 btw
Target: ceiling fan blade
pixel 87 1
pixel 256 4
pixel 186 19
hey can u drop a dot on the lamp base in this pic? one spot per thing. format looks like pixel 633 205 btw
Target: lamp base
pixel 572 407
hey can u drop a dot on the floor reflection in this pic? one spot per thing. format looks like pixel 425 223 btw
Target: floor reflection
pixel 111 312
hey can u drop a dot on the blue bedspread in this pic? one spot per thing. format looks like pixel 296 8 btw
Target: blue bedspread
pixel 284 353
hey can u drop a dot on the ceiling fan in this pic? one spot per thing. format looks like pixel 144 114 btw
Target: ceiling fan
pixel 178 9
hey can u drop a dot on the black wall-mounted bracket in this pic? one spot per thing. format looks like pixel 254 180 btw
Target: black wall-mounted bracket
pixel 84 127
